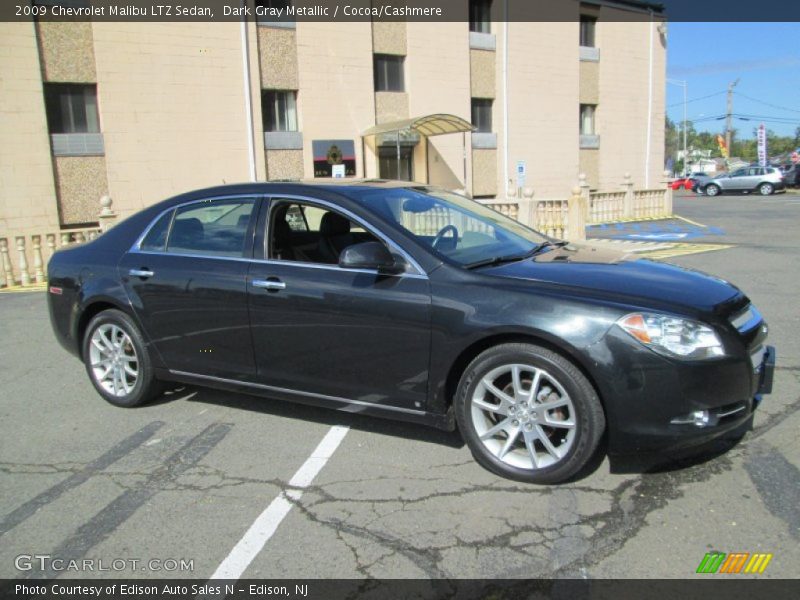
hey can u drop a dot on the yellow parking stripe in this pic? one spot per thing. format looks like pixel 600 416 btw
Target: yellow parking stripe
pixel 683 250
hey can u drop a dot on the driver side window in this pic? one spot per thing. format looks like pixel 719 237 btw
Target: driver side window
pixel 305 232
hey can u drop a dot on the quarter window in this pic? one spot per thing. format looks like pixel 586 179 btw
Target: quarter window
pixel 211 228
pixel 389 73
pixel 71 108
pixel 279 109
pixel 156 238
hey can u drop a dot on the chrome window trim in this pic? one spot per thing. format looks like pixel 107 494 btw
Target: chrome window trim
pixel 273 388
pixel 420 273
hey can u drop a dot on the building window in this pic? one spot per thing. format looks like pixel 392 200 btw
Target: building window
pixel 482 115
pixel 71 108
pixel 389 73
pixel 480 16
pixel 279 109
pixel 587 119
pixel 588 26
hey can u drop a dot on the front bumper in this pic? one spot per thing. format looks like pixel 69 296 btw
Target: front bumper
pixel 658 404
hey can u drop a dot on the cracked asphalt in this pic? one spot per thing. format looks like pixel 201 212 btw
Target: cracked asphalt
pixel 185 477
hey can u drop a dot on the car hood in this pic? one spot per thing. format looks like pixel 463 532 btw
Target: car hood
pixel 622 275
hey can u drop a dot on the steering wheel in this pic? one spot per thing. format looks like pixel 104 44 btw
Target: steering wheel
pixel 440 236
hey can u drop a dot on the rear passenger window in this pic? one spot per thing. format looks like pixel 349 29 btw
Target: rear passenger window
pixel 211 228
pixel 156 238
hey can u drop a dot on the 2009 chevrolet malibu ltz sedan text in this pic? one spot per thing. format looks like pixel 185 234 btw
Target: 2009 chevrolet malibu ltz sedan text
pixel 413 303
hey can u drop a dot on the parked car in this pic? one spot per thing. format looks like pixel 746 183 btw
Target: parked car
pixel 412 303
pixel 684 183
pixel 791 176
pixel 698 178
pixel 763 180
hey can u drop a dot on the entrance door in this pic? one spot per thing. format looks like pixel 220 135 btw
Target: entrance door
pixel 388 163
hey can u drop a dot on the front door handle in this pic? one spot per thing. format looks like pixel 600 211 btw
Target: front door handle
pixel 269 284
pixel 143 273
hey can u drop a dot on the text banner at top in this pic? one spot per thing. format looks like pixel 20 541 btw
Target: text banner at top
pixel 293 11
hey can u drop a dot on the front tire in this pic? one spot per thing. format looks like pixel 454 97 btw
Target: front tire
pixel 766 189
pixel 528 414
pixel 712 190
pixel 117 362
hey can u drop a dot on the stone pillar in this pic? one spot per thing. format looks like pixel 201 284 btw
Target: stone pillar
pixel 107 215
pixel 668 193
pixel 24 276
pixel 526 206
pixel 586 192
pixel 576 227
pixel 627 203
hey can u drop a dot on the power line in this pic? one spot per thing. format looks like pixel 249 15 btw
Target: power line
pixel 778 106
pixel 696 99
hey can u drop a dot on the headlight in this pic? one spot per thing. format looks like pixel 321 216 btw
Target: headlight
pixel 680 338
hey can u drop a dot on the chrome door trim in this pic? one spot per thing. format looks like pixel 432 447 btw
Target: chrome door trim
pixel 272 388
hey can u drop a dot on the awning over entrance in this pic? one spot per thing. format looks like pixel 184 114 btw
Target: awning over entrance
pixel 406 132
pixel 428 125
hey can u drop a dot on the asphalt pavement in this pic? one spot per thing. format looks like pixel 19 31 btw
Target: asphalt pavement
pixel 172 489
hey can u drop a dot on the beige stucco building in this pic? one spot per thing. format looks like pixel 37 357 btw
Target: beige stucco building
pixel 142 111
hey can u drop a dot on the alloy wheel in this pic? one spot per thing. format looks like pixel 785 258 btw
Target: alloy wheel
pixel 523 416
pixel 113 359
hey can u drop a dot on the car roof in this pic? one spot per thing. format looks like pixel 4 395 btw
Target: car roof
pixel 298 186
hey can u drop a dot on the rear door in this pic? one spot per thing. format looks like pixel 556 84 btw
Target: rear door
pixel 187 282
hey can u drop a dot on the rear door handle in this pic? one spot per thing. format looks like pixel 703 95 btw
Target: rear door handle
pixel 269 284
pixel 144 273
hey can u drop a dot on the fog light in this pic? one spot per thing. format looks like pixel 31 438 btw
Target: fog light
pixel 698 418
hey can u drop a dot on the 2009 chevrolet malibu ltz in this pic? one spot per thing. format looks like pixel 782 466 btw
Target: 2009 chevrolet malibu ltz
pixel 413 303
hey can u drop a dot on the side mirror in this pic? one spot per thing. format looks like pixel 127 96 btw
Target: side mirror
pixel 371 255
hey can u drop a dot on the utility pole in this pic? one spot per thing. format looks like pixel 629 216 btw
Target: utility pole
pixel 729 116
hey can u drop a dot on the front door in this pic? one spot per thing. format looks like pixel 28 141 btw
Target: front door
pixel 187 282
pixel 321 329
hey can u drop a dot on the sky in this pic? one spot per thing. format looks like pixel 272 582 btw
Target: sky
pixel 765 57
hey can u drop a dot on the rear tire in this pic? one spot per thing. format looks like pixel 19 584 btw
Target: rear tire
pixel 712 190
pixel 528 414
pixel 766 189
pixel 117 362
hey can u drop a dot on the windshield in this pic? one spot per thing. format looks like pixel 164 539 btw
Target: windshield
pixel 460 229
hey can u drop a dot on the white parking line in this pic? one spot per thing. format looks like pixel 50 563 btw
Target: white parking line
pixel 267 522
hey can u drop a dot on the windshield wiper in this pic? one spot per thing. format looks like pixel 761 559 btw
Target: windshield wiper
pixel 498 260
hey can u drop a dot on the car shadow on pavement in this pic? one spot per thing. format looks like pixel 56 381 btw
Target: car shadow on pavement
pixel 304 412
pixel 639 463
pixel 678 460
